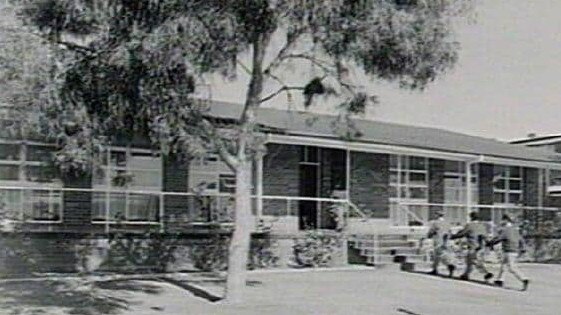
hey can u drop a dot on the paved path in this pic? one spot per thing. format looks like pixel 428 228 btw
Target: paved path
pixel 373 292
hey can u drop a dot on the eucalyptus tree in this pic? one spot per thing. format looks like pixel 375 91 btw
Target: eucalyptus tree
pixel 129 66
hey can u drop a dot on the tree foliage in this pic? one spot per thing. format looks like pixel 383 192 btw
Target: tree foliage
pixel 129 67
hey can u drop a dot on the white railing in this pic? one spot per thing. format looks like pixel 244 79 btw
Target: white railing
pixel 113 206
pixel 418 213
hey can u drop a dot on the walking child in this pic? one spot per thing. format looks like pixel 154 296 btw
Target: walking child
pixel 510 239
pixel 439 232
pixel 476 233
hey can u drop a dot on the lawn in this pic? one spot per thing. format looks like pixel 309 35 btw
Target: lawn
pixel 381 291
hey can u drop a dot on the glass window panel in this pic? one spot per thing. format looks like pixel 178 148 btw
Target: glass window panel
pixel 227 183
pixel 144 161
pixel 500 183
pixel 37 206
pixel 41 174
pixel 499 170
pixel 146 178
pixel 452 167
pixel 10 152
pixel 417 163
pixel 403 193
pixel 515 172
pixel 392 191
pixel 514 184
pixel 117 204
pixel 499 198
pixel 393 161
pixel 11 201
pixel 39 153
pixel 555 177
pixel 403 178
pixel 417 178
pixel 98 206
pixel 393 177
pixel 514 198
pixel 9 172
pixel 118 159
pixel 121 178
pixel 418 193
pixel 143 208
pixel 99 177
pixel 404 162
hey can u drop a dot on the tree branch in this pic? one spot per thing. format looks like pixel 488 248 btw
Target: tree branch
pixel 282 89
pixel 290 42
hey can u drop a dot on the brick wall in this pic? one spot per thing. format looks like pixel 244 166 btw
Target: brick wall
pixel 485 188
pixel 436 185
pixel 176 179
pixel 281 175
pixel 369 183
pixel 530 186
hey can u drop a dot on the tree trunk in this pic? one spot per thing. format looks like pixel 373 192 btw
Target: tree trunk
pixel 239 245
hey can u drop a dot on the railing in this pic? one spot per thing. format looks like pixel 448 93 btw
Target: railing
pixel 419 214
pixel 114 206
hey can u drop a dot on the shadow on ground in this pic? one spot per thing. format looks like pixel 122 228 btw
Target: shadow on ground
pixel 70 296
pixel 475 281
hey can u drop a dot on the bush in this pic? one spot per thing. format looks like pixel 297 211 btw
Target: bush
pixel 213 255
pixel 153 251
pixel 316 249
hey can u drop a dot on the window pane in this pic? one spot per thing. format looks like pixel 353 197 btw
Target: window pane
pixel 39 153
pixel 499 170
pixel 418 193
pixel 515 172
pixel 146 179
pixel 99 177
pixel 417 163
pixel 12 203
pixel 40 174
pixel 118 159
pixel 393 161
pixel 452 167
pixel 514 198
pixel 143 208
pixel 392 191
pixel 98 206
pixel 515 184
pixel 500 183
pixel 37 206
pixel 10 152
pixel 117 202
pixel 393 177
pixel 499 198
pixel 9 172
pixel 146 161
pixel 417 178
pixel 554 177
pixel 227 183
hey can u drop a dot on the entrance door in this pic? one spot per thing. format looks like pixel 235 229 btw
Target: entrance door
pixel 308 188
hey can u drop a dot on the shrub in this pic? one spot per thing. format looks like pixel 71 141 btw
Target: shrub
pixel 316 249
pixel 153 251
pixel 213 255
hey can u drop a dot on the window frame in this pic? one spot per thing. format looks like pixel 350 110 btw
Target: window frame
pixel 25 186
pixel 506 191
pixel 108 189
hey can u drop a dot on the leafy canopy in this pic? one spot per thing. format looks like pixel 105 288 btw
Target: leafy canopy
pixel 128 67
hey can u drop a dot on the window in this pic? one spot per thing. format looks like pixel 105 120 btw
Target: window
pixel 554 177
pixel 409 177
pixel 455 182
pixel 507 184
pixel 122 170
pixel 209 175
pixel 30 165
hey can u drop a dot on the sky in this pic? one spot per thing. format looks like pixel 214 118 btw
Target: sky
pixel 506 84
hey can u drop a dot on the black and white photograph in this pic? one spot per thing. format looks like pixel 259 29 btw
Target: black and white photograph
pixel 380 157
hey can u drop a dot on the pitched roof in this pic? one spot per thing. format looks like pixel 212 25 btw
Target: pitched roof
pixel 321 125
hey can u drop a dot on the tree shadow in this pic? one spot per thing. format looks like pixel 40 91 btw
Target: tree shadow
pixel 75 297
